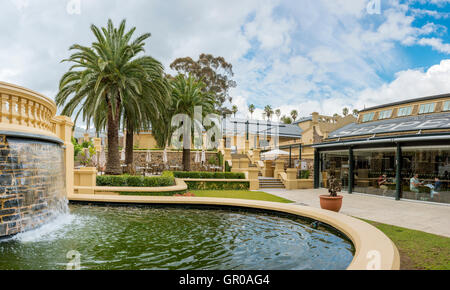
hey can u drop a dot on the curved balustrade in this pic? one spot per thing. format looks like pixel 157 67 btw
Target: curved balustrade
pixel 26 111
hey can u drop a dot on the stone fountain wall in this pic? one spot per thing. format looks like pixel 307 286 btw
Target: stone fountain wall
pixel 32 183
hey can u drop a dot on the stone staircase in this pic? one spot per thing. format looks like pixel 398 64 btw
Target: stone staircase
pixel 270 183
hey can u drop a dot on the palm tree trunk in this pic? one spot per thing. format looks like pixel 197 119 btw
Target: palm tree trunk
pixel 129 148
pixel 113 161
pixel 186 159
pixel 187 153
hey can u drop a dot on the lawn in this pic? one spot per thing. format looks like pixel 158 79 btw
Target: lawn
pixel 418 250
pixel 240 194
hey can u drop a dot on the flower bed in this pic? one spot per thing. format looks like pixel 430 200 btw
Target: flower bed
pixel 217 185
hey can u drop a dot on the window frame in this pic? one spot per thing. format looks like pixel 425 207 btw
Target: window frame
pixel 446 104
pixel 382 116
pixel 372 114
pixel 408 110
pixel 429 106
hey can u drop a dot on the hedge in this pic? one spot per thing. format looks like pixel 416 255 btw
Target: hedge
pixel 304 174
pixel 217 185
pixel 135 181
pixel 165 193
pixel 209 175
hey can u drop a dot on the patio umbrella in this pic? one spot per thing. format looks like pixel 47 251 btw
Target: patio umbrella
pixel 203 156
pixel 197 157
pixel 122 155
pixel 148 157
pixel 165 156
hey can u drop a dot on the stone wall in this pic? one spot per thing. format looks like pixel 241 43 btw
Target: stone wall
pixel 32 183
pixel 174 158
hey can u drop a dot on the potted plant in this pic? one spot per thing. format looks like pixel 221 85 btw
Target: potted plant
pixel 333 201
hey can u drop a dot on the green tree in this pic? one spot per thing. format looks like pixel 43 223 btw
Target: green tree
pixel 294 115
pixel 278 113
pixel 345 112
pixel 215 72
pixel 355 113
pixel 269 112
pixel 106 79
pixel 188 93
pixel 251 109
pixel 234 109
pixel 286 120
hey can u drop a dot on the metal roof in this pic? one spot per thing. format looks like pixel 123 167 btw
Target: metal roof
pixel 412 123
pixel 404 102
pixel 238 126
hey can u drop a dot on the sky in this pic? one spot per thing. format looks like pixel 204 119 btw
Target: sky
pixel 308 55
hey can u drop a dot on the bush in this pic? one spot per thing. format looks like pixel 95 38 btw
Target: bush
pixel 209 175
pixel 217 185
pixel 227 167
pixel 135 181
pixel 304 174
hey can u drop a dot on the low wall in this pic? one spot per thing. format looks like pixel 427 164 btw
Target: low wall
pixel 373 249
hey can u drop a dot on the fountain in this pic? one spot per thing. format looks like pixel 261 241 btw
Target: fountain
pixel 33 154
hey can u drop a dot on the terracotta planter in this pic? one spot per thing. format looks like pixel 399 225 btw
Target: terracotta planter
pixel 331 203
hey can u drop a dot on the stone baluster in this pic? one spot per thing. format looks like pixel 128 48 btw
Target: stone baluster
pixel 15 110
pixel 4 108
pixel 23 107
pixel 31 117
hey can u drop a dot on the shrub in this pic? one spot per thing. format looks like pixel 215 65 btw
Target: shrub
pixel 227 167
pixel 217 185
pixel 304 174
pixel 209 175
pixel 135 181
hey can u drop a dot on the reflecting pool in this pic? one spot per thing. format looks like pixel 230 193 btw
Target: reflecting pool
pixel 157 237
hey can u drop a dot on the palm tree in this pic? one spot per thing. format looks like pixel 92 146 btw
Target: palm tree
pixel 251 109
pixel 107 79
pixel 294 115
pixel 286 120
pixel 278 113
pixel 345 112
pixel 269 112
pixel 234 109
pixel 188 93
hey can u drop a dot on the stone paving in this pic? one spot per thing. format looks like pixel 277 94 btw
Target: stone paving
pixel 426 217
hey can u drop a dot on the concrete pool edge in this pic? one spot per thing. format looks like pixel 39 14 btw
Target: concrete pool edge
pixel 373 249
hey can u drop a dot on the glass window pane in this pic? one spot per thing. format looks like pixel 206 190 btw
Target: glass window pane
pixel 335 163
pixel 425 173
pixel 375 171
pixel 447 106
pixel 406 111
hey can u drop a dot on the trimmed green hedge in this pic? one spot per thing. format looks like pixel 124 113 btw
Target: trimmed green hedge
pixel 209 175
pixel 217 185
pixel 135 181
pixel 304 174
pixel 167 193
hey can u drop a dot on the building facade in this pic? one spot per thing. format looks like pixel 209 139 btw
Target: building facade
pixel 400 150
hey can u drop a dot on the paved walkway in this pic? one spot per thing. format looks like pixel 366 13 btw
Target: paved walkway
pixel 430 218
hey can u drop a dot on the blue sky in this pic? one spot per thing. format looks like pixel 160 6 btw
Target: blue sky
pixel 309 55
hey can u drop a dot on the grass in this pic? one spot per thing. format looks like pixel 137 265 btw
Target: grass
pixel 240 194
pixel 418 250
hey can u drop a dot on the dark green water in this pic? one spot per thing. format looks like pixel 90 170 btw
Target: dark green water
pixel 176 238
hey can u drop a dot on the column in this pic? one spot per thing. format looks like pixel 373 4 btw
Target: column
pixel 398 172
pixel 316 169
pixel 351 167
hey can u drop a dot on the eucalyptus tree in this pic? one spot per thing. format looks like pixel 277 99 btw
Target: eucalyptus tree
pixel 251 109
pixel 188 93
pixel 345 111
pixel 106 79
